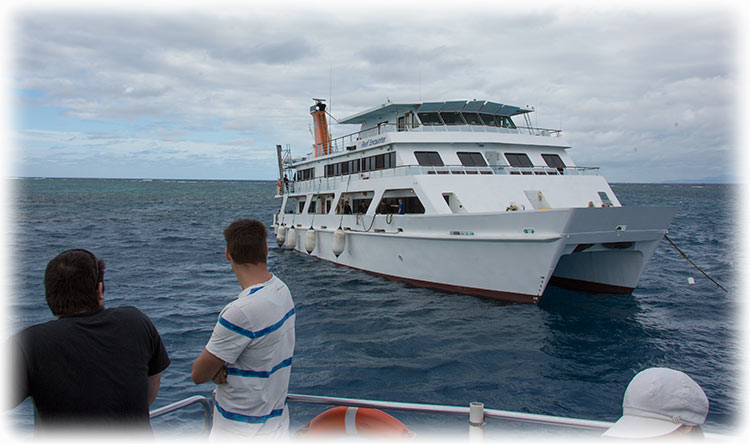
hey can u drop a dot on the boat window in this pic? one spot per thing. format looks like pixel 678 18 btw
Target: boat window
pixel 506 122
pixel 452 118
pixel 389 205
pixel 360 206
pixel 379 162
pixel 472 118
pixel 344 206
pixel 354 203
pixel 605 199
pixel 490 119
pixel 430 118
pixel 428 158
pixel 553 161
pixel 402 123
pixel 471 159
pixel 320 204
pixel 291 205
pixel 306 174
pixel 518 160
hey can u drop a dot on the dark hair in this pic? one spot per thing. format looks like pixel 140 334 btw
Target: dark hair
pixel 246 241
pixel 71 281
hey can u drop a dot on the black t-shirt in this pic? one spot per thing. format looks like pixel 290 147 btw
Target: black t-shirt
pixel 91 368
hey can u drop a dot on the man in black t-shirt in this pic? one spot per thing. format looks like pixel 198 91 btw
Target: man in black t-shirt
pixel 91 367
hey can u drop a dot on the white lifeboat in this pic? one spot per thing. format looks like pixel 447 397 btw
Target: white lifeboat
pixel 310 240
pixel 339 242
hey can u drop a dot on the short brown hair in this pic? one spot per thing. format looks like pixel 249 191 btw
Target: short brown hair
pixel 246 241
pixel 71 281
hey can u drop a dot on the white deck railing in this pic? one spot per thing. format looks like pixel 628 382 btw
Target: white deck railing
pixel 322 184
pixel 340 144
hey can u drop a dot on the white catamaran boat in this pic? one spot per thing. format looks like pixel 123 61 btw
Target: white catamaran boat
pixel 458 196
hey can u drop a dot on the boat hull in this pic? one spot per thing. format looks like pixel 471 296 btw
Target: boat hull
pixel 510 256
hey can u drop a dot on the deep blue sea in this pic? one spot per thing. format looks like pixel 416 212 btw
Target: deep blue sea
pixel 363 336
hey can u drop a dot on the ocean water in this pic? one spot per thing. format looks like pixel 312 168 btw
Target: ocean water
pixel 363 336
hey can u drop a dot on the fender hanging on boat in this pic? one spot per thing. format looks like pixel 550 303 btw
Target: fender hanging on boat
pixel 281 235
pixel 291 238
pixel 310 240
pixel 339 242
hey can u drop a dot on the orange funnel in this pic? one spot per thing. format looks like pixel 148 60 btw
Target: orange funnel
pixel 320 125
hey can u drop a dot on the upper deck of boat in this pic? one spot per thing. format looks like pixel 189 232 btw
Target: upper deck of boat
pixel 452 122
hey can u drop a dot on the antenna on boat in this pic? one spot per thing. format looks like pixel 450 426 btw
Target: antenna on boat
pixel 330 92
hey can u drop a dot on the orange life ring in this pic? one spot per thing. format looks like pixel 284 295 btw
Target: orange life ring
pixel 355 421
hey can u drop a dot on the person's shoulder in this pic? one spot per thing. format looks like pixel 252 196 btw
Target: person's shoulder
pixel 127 310
pixel 128 313
pixel 36 329
pixel 38 333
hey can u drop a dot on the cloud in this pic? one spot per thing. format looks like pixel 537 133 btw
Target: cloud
pixel 613 79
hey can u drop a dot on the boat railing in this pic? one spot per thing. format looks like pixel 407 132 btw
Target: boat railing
pixel 475 412
pixel 207 404
pixel 332 182
pixel 347 142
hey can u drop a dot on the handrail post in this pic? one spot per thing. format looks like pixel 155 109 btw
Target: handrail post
pixel 476 422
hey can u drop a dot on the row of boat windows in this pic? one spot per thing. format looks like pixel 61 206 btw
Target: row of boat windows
pixel 432 158
pixel 424 158
pixel 371 163
pixel 518 160
pixel 354 204
pixel 465 118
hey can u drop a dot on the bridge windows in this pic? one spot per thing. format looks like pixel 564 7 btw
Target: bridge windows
pixel 553 161
pixel 428 158
pixel 471 159
pixel 519 160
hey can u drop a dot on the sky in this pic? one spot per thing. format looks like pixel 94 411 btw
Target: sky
pixel 649 94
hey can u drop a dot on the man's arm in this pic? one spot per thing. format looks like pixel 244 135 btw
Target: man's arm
pixel 154 381
pixel 206 367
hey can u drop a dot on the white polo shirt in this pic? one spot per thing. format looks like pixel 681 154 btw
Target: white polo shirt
pixel 255 337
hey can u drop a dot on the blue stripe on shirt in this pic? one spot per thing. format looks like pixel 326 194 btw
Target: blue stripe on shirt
pixel 256 334
pixel 258 374
pixel 232 416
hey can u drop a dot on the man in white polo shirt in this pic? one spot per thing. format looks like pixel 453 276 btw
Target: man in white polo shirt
pixel 249 355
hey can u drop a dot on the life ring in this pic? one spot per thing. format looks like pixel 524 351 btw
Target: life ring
pixel 354 421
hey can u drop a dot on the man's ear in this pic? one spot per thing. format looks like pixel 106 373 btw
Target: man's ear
pixel 100 293
pixel 226 253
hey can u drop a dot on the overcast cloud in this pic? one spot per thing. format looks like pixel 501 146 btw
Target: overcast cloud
pixel 647 94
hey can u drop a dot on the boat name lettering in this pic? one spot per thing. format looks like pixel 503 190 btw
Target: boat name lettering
pixel 372 142
pixel 462 233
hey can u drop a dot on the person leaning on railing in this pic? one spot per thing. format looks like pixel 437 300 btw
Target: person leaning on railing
pixel 92 368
